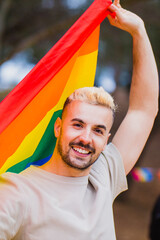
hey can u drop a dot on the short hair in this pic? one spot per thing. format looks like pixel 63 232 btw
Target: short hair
pixel 92 95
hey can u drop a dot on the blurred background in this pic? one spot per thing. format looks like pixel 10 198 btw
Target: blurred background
pixel 28 29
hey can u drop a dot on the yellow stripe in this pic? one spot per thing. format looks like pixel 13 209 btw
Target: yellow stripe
pixel 82 75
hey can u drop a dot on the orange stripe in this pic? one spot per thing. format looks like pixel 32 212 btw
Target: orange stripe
pixel 91 44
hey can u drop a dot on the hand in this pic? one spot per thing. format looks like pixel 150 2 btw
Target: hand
pixel 125 20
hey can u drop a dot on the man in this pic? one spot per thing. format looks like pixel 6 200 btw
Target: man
pixel 71 196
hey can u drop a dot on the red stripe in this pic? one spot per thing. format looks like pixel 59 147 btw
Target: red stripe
pixel 52 62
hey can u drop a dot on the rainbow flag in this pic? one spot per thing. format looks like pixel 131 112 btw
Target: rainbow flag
pixel 28 113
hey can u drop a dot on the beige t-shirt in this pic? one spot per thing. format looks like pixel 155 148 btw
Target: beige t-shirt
pixel 39 205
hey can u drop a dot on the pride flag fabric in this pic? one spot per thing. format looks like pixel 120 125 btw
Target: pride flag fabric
pixel 28 113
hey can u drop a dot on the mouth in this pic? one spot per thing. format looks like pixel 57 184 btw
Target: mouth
pixel 81 151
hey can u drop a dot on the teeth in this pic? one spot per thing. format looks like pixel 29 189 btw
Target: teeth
pixel 81 150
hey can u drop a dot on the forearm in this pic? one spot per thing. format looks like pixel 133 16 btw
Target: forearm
pixel 144 86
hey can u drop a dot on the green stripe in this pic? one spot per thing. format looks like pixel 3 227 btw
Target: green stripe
pixel 44 149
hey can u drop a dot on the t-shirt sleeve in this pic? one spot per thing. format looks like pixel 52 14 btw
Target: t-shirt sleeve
pixel 111 171
pixel 12 208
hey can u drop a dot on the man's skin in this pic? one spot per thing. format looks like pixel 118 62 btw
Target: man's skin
pixel 84 129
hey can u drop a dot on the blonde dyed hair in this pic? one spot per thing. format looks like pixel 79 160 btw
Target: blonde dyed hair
pixel 92 95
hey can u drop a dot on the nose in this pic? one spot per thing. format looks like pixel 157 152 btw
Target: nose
pixel 85 136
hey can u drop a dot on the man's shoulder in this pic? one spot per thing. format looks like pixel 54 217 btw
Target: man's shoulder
pixel 111 151
pixel 19 187
pixel 16 181
pixel 7 177
pixel 108 155
pixel 101 168
pixel 11 180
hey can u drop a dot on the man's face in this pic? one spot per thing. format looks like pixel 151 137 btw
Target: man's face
pixel 82 133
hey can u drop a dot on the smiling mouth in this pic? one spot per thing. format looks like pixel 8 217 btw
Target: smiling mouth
pixel 81 151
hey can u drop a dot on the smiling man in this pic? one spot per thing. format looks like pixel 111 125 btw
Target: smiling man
pixel 71 196
pixel 81 134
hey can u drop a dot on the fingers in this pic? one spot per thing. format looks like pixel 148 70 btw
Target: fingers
pixel 111 20
pixel 117 10
pixel 113 8
pixel 117 3
pixel 120 15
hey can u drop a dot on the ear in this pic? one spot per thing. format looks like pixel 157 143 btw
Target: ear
pixel 109 134
pixel 57 127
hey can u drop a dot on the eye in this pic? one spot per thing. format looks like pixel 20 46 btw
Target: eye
pixel 98 131
pixel 77 125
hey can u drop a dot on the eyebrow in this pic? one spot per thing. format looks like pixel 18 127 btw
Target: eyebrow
pixel 101 126
pixel 81 121
pixel 77 120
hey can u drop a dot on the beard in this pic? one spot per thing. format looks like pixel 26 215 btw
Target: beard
pixel 77 162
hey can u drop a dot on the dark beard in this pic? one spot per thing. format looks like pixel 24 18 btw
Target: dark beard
pixel 65 156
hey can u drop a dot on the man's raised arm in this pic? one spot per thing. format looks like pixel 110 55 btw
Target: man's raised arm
pixel 133 132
